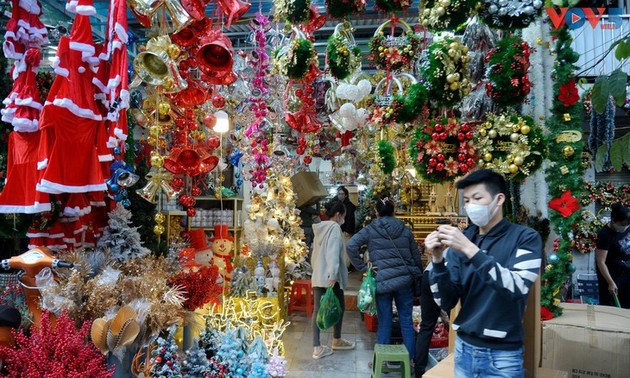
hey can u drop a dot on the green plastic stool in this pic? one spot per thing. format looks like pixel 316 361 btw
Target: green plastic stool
pixel 390 353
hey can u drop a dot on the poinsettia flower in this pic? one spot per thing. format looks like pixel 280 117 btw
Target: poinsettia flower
pixel 569 93
pixel 545 314
pixel 565 205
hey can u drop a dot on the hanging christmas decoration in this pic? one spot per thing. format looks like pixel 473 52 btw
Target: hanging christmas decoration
pixel 508 83
pixel 407 108
pixel 511 144
pixel 445 72
pixel 510 14
pixel 440 15
pixel 605 194
pixel 585 232
pixel 442 149
pixel 296 59
pixel 293 11
pixel 344 8
pixel 394 53
pixel 342 52
pixel 389 6
pixel 387 160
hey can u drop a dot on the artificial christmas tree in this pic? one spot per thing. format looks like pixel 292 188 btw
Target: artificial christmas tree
pixel 122 241
pixel 166 362
pixel 195 364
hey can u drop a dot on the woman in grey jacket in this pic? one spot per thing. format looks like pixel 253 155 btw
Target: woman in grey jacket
pixel 395 257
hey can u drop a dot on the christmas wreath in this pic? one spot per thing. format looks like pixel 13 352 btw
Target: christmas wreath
pixel 440 15
pixel 446 71
pixel 508 84
pixel 387 161
pixel 389 6
pixel 585 232
pixel 605 194
pixel 295 60
pixel 511 144
pixel 344 8
pixel 510 14
pixel 344 56
pixel 406 108
pixel 394 53
pixel 294 11
pixel 442 149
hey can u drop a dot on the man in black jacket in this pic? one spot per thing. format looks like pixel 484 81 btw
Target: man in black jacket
pixel 490 267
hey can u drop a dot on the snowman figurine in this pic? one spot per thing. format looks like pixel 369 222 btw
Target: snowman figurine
pixel 203 253
pixel 222 246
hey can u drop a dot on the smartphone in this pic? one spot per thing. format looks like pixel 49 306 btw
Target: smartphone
pixel 443 221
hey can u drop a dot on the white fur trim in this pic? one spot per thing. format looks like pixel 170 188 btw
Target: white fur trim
pixel 37 234
pixel 28 102
pixel 30 209
pixel 30 6
pixel 120 134
pixel 121 32
pixel 46 186
pixel 76 211
pixel 25 125
pixel 71 6
pixel 76 110
pixel 87 50
pixel 97 203
pixel 81 70
pixel 114 82
pixel 112 142
pixel 108 157
pixel 86 10
pixel 42 164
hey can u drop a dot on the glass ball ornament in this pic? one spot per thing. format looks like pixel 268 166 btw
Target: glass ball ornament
pixel 158 229
pixel 159 217
pixel 553 258
pixel 218 101
pixel 126 202
pixel 209 120
pixel 568 151
pixel 117 150
pixel 164 108
pixel 114 188
pixel 571 268
pixel 191 211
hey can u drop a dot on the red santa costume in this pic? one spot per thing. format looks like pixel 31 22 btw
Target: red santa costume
pixel 24 29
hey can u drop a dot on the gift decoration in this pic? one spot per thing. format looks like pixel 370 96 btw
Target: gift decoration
pixel 440 15
pixel 341 9
pixel 511 144
pixel 442 149
pixel 55 351
pixel 394 53
pixel 508 83
pixel 344 56
pixel 562 188
pixel 510 14
pixel 445 72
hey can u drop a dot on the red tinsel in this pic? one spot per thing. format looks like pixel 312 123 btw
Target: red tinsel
pixel 200 286
pixel 569 93
pixel 58 351
pixel 545 314
pixel 565 205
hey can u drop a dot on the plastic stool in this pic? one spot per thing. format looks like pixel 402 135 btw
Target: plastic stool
pixel 390 353
pixel 301 297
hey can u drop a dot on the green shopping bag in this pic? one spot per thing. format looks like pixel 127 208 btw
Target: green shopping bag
pixel 366 299
pixel 329 312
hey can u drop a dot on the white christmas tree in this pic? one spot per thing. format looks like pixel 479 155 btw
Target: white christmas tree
pixel 119 238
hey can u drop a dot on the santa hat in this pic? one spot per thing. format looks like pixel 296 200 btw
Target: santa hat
pixel 81 38
pixel 23 104
pixel 82 7
pixel 221 232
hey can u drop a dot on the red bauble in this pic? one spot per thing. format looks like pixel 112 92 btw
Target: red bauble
pixel 213 142
pixel 191 211
pixel 440 157
pixel 299 92
pixel 195 192
pixel 463 167
pixel 439 128
pixel 443 136
pixel 435 136
pixel 439 166
pixel 465 128
pixel 461 158
pixel 177 183
pixel 470 162
pixel 461 137
pixel 218 101
pixel 308 159
pixel 469 135
pixel 209 120
pixel 432 162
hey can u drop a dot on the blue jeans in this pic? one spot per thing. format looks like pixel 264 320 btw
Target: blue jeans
pixel 474 362
pixel 384 314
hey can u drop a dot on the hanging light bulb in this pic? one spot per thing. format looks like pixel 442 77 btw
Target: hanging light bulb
pixel 222 124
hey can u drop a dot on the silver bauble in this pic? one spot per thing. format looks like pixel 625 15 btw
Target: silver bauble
pixel 503 3
pixel 503 11
pixel 529 10
pixel 537 4
pixel 492 9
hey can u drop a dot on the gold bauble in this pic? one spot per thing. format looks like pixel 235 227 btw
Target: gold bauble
pixel 164 108
pixel 512 168
pixel 162 143
pixel 381 55
pixel 509 158
pixel 155 131
pixel 514 137
pixel 168 84
pixel 152 141
pixel 453 45
pixel 157 161
pixel 454 86
pixel 519 160
pixel 158 229
pixel 568 151
pixel 492 133
pixel 481 163
pixel 525 129
pixel 487 156
pixel 173 51
pixel 482 132
pixel 450 78
pixel 452 53
pixel 445 3
pixel 439 11
pixel 159 218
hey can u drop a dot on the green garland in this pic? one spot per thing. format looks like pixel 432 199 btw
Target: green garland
pixel 565 171
pixel 440 15
pixel 295 62
pixel 386 154
pixel 343 59
pixel 508 84
pixel 511 144
pixel 446 72
pixel 408 108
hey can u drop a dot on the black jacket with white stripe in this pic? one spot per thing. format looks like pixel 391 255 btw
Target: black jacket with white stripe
pixel 493 285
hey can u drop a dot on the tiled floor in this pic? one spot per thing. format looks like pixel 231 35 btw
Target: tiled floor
pixel 341 364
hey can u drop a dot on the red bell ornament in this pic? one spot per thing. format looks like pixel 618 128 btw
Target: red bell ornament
pixel 215 53
pixel 233 10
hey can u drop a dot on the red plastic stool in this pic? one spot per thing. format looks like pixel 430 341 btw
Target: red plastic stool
pixel 301 297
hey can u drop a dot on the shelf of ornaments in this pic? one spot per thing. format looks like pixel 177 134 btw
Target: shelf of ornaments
pixel 211 203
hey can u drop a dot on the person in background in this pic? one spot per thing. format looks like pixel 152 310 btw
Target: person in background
pixel 309 215
pixel 329 270
pixel 348 227
pixel 429 314
pixel 389 242
pixel 613 258
pixel 490 268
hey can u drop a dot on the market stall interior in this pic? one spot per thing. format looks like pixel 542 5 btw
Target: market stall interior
pixel 181 178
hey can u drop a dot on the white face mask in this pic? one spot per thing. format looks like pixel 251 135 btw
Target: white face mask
pixel 620 228
pixel 342 221
pixel 481 215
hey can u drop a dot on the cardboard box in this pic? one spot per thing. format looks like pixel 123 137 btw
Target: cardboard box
pixel 444 369
pixel 588 341
pixel 308 187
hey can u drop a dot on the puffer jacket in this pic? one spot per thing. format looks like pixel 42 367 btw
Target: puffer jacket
pixel 391 273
